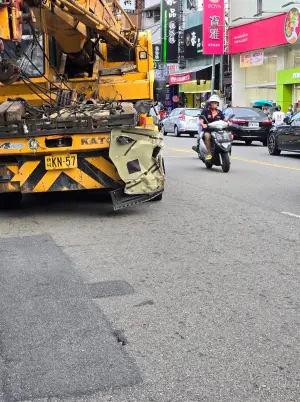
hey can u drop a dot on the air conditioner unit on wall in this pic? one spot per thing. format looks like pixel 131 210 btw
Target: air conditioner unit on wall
pixel 149 14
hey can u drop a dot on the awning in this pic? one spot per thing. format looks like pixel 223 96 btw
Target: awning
pixel 193 88
pixel 192 70
pixel 192 74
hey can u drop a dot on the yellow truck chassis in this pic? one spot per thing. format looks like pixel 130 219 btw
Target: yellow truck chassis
pixel 43 155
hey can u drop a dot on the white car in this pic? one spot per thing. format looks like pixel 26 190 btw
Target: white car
pixel 180 121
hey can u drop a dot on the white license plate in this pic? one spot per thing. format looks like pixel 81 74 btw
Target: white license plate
pixel 250 124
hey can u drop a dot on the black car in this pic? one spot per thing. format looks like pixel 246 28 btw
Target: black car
pixel 285 137
pixel 254 124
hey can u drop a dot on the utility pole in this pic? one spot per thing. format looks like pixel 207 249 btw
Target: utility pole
pixel 226 49
pixel 222 74
pixel 213 74
pixel 181 59
pixel 226 10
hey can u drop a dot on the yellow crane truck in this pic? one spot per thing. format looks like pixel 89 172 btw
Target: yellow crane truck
pixel 76 90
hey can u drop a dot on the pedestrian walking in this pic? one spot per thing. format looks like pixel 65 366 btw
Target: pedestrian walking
pixel 290 111
pixel 278 116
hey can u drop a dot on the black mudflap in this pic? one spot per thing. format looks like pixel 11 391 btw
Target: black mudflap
pixel 121 200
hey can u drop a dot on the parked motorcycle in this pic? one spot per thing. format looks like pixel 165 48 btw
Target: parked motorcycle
pixel 221 138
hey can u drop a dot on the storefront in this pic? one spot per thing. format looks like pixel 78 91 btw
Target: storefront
pixel 265 66
pixel 193 83
pixel 288 88
pixel 163 91
pixel 195 93
pixel 194 86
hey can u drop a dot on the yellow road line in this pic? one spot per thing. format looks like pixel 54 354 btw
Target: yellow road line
pixel 181 150
pixel 238 158
pixel 265 163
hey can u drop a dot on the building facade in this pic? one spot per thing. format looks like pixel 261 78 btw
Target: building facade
pixel 265 51
pixel 151 19
pixel 134 9
pixel 198 67
pixel 188 79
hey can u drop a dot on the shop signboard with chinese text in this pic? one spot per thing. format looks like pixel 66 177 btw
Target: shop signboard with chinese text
pixel 168 102
pixel 179 78
pixel 128 5
pixel 251 59
pixel 213 26
pixel 170 27
pixel 156 52
pixel 163 71
pixel 193 42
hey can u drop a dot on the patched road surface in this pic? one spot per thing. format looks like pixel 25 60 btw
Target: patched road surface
pixel 194 298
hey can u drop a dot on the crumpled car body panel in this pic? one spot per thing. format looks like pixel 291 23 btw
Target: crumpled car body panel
pixel 136 154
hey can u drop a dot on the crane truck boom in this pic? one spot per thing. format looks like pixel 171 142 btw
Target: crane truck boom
pixel 68 69
pixel 77 26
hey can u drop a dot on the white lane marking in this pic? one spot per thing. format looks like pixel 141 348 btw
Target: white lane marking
pixel 290 214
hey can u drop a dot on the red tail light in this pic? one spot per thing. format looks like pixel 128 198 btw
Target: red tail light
pixel 143 120
pixel 268 123
pixel 239 121
pixel 181 117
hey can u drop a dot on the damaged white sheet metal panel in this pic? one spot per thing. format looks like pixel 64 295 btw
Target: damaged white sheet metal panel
pixel 137 155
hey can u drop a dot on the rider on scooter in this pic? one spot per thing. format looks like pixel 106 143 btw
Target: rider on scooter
pixel 212 113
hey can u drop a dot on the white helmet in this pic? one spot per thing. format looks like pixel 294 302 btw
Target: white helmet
pixel 214 98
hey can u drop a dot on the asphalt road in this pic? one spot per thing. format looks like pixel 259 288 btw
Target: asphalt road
pixel 194 298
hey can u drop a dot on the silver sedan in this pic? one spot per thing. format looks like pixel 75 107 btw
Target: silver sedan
pixel 180 121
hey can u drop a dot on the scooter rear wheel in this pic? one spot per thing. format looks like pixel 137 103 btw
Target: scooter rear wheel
pixel 225 163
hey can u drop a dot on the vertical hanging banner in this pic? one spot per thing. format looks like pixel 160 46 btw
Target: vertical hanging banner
pixel 213 26
pixel 170 26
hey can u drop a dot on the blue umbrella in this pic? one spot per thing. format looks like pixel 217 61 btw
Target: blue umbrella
pixel 261 103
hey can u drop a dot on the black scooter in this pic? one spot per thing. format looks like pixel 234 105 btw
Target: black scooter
pixel 221 138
